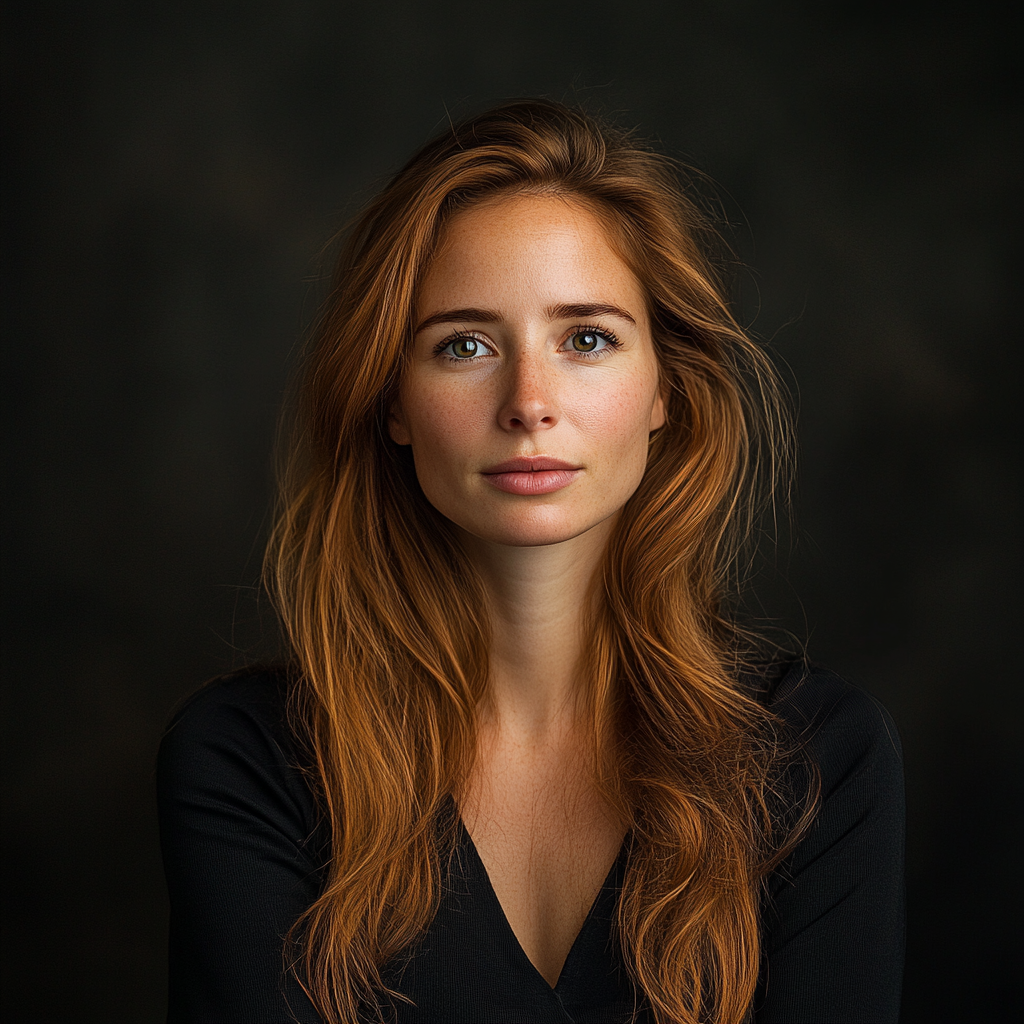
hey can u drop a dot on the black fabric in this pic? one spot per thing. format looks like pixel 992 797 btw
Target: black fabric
pixel 243 854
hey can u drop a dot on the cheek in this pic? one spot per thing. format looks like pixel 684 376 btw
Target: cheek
pixel 618 419
pixel 443 422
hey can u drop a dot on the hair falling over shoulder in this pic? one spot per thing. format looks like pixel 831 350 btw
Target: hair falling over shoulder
pixel 382 609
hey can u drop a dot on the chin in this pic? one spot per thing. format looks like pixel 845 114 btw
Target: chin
pixel 531 530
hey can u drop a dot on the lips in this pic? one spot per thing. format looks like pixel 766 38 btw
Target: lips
pixel 530 464
pixel 536 474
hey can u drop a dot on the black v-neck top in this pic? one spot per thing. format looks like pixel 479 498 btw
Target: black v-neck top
pixel 244 851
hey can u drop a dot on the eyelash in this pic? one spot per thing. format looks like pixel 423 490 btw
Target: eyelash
pixel 609 336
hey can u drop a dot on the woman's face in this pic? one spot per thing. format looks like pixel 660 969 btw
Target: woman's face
pixel 533 383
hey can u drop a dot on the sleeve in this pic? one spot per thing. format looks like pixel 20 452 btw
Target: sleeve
pixel 834 920
pixel 234 830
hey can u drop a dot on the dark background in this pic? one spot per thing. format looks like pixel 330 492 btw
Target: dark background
pixel 172 170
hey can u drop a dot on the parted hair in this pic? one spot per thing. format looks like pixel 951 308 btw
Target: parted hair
pixel 382 608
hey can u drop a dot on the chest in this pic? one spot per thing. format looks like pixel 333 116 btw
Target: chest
pixel 547 840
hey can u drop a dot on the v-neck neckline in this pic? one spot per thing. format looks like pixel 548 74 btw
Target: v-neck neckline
pixel 466 841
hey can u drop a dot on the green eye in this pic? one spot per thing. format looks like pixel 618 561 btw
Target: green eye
pixel 464 348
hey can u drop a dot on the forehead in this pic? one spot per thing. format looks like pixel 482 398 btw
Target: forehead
pixel 527 248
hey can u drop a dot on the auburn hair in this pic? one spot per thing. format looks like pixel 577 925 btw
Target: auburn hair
pixel 382 609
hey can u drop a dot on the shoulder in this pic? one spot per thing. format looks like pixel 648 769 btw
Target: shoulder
pixel 243 850
pixel 845 730
pixel 259 692
pixel 230 742
pixel 248 706
pixel 833 912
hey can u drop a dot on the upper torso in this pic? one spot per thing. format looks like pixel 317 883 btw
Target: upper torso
pixel 244 851
pixel 545 836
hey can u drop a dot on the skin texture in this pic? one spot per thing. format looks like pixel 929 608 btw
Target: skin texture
pixel 510 279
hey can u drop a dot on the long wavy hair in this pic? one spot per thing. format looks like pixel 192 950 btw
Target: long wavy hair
pixel 381 606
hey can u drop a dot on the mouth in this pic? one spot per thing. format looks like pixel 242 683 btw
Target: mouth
pixel 530 464
pixel 536 474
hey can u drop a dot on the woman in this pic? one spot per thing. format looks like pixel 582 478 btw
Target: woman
pixel 523 766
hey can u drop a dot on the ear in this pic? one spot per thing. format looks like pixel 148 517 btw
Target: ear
pixel 658 411
pixel 397 427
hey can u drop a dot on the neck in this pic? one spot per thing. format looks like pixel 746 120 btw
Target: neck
pixel 537 599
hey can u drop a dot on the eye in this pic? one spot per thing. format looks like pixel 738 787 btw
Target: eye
pixel 588 340
pixel 462 348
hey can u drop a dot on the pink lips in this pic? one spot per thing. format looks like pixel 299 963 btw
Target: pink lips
pixel 535 475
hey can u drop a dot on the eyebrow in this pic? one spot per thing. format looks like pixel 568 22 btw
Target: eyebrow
pixel 562 311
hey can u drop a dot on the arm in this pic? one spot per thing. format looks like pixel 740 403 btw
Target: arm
pixel 834 919
pixel 235 823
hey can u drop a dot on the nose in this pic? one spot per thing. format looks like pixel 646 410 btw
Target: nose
pixel 529 401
